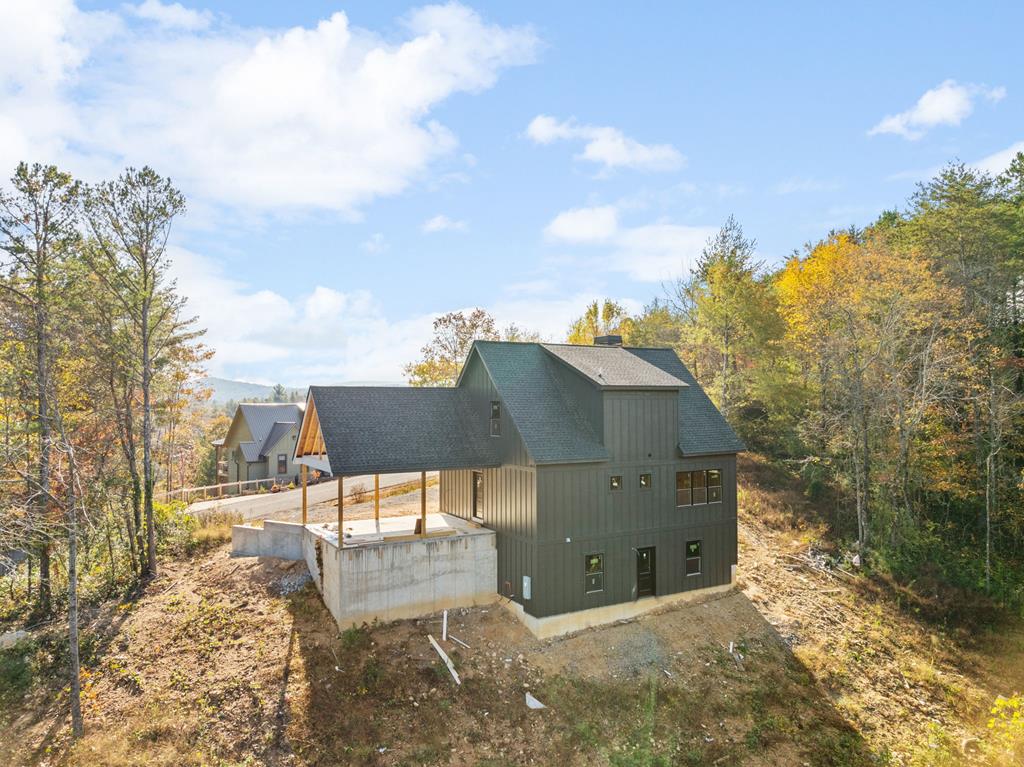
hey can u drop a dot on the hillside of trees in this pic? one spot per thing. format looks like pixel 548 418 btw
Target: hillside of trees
pixel 886 362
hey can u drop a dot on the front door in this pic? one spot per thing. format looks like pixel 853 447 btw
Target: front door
pixel 645 586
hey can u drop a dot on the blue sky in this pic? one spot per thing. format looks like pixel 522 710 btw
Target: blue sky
pixel 354 170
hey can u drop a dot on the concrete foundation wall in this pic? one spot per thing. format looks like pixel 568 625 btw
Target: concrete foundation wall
pixel 567 623
pixel 274 539
pixel 407 579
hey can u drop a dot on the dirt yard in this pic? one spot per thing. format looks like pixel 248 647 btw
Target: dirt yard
pixel 236 662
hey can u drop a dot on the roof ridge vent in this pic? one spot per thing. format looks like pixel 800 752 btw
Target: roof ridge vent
pixel 608 340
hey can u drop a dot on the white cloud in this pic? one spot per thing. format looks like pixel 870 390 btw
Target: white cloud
pixel 997 162
pixel 658 252
pixel 797 185
pixel 598 224
pixel 328 117
pixel 648 253
pixel 442 223
pixel 254 330
pixel 171 15
pixel 949 103
pixel 375 243
pixel 605 145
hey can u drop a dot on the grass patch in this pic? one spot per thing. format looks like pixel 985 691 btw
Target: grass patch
pixel 16 675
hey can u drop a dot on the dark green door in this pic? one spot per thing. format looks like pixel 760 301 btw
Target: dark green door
pixel 645 586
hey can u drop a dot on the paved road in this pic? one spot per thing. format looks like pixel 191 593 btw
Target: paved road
pixel 274 504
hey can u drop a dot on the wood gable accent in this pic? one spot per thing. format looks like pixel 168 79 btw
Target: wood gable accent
pixel 310 442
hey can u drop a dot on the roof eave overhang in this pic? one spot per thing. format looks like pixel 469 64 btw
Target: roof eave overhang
pixel 709 453
pixel 673 387
pixel 315 462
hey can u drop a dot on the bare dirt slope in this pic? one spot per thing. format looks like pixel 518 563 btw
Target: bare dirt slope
pixel 236 662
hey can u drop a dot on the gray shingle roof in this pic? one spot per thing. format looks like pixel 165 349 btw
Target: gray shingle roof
pixel 265 420
pixel 614 367
pixel 371 429
pixel 702 429
pixel 548 418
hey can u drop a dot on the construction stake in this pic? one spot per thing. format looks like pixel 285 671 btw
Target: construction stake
pixel 446 659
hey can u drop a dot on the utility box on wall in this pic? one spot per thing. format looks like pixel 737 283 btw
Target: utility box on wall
pixel 527 587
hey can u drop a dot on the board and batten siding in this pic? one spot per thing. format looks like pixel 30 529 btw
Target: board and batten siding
pixel 578 514
pixel 508 508
pixel 509 492
pixel 476 380
pixel 641 425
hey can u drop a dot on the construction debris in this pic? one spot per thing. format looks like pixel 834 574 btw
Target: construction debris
pixel 458 641
pixel 532 702
pixel 446 659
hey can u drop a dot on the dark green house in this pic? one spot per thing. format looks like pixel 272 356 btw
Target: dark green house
pixel 607 474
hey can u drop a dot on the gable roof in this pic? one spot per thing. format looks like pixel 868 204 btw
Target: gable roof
pixel 536 396
pixel 268 422
pixel 612 367
pixel 703 430
pixel 384 429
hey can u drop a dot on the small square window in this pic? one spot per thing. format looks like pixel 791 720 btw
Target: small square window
pixel 645 481
pixel 684 486
pixel 693 557
pixel 615 482
pixel 594 573
pixel 495 409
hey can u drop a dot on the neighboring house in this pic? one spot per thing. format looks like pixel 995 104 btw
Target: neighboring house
pixel 606 472
pixel 260 443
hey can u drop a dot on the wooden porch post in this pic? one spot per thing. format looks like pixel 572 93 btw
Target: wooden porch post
pixel 376 500
pixel 305 471
pixel 341 505
pixel 423 504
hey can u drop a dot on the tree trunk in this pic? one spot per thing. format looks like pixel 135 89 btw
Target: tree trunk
pixel 147 442
pixel 45 438
pixel 76 683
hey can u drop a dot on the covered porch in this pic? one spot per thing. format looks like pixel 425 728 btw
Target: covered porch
pixel 389 566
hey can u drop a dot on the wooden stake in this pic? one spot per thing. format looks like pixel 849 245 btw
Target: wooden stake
pixel 305 471
pixel 423 504
pixel 341 506
pixel 376 500
pixel 446 659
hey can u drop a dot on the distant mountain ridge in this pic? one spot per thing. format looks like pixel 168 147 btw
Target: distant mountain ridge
pixel 228 390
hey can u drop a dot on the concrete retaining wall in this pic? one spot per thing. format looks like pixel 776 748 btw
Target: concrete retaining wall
pixel 407 579
pixel 274 539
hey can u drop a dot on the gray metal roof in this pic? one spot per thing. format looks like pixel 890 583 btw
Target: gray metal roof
pixel 531 384
pixel 614 367
pixel 702 428
pixel 250 450
pixel 278 430
pixel 267 421
pixel 384 429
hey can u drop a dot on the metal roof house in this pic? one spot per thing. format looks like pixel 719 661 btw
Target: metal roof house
pixel 260 443
pixel 606 474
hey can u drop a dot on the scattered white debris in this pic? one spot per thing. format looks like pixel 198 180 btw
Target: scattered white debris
pixel 532 702
pixel 446 659
pixel 458 641
pixel 12 638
